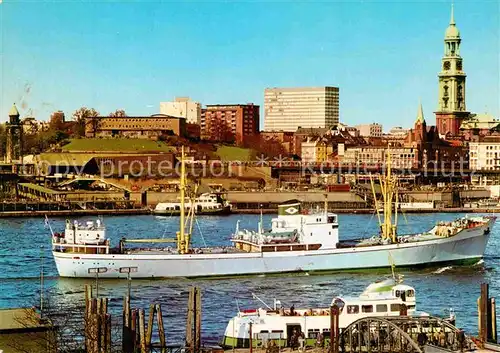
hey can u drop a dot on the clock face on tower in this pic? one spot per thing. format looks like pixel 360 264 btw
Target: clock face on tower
pixel 446 65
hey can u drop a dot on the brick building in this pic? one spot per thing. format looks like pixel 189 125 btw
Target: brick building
pixel 135 126
pixel 229 123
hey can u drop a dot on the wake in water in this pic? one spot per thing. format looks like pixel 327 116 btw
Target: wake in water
pixel 442 269
pixel 479 263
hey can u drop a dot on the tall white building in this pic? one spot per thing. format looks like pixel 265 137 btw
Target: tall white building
pixel 287 109
pixel 182 107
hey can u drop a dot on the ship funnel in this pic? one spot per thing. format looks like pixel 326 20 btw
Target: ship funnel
pixel 289 209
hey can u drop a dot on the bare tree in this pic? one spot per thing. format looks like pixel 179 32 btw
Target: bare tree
pixel 80 117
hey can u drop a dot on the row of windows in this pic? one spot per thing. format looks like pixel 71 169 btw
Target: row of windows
pixel 379 308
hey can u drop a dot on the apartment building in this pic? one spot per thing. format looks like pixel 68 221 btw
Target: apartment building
pixel 229 123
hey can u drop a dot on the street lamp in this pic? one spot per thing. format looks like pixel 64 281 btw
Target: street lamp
pixel 97 270
pixel 128 271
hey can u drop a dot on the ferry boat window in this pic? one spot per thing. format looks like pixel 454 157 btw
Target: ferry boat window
pixel 410 293
pixel 313 333
pixel 367 308
pixel 326 333
pixel 411 307
pixel 381 308
pixel 353 309
pixel 398 293
pixel 395 307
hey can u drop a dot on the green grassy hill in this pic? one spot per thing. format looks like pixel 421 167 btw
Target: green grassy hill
pixel 231 153
pixel 116 145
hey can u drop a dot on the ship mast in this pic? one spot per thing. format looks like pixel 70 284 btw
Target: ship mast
pixel 388 188
pixel 183 238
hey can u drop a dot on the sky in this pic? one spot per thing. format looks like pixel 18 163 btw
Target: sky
pixel 132 55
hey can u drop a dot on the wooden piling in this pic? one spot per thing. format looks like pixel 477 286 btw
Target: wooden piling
pixel 142 331
pixel 149 333
pixel 133 330
pixel 127 342
pixel 197 329
pixel 161 329
pixel 334 329
pixel 108 333
pixel 189 321
pixel 250 337
pixel 493 320
pixel 483 334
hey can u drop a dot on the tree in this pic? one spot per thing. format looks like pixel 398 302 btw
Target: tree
pixel 118 113
pixel 271 148
pixel 80 116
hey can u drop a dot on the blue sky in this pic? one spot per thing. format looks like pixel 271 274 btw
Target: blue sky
pixel 384 56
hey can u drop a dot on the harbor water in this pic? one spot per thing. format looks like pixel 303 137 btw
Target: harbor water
pixel 25 245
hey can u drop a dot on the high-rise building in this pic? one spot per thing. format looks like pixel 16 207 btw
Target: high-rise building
pixel 182 107
pixel 287 109
pixel 451 109
pixel 229 123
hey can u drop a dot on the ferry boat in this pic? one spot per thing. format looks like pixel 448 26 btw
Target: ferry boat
pixel 205 204
pixel 298 241
pixel 380 299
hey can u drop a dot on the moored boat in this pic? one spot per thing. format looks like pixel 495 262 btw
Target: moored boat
pixel 205 204
pixel 386 298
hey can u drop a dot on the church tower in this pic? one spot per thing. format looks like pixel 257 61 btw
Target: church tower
pixel 14 136
pixel 451 109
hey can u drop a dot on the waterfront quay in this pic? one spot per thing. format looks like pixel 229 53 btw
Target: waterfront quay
pixel 243 202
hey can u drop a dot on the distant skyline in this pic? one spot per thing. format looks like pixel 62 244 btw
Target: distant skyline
pixel 132 55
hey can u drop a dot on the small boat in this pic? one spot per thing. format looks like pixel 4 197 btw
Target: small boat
pixel 388 297
pixel 205 204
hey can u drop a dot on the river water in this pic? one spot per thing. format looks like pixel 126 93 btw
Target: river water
pixel 23 240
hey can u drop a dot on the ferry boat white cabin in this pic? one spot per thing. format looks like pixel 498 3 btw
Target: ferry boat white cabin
pixel 380 299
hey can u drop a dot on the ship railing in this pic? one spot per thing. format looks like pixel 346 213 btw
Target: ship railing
pixel 60 246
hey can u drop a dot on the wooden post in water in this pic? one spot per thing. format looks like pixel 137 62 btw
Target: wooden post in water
pixel 334 329
pixel 142 331
pixel 250 337
pixel 189 321
pixel 133 330
pixel 161 329
pixel 483 313
pixel 493 320
pixel 127 342
pixel 86 326
pixel 149 333
pixel 197 320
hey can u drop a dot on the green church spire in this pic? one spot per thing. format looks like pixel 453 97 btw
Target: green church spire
pixel 420 114
pixel 13 111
